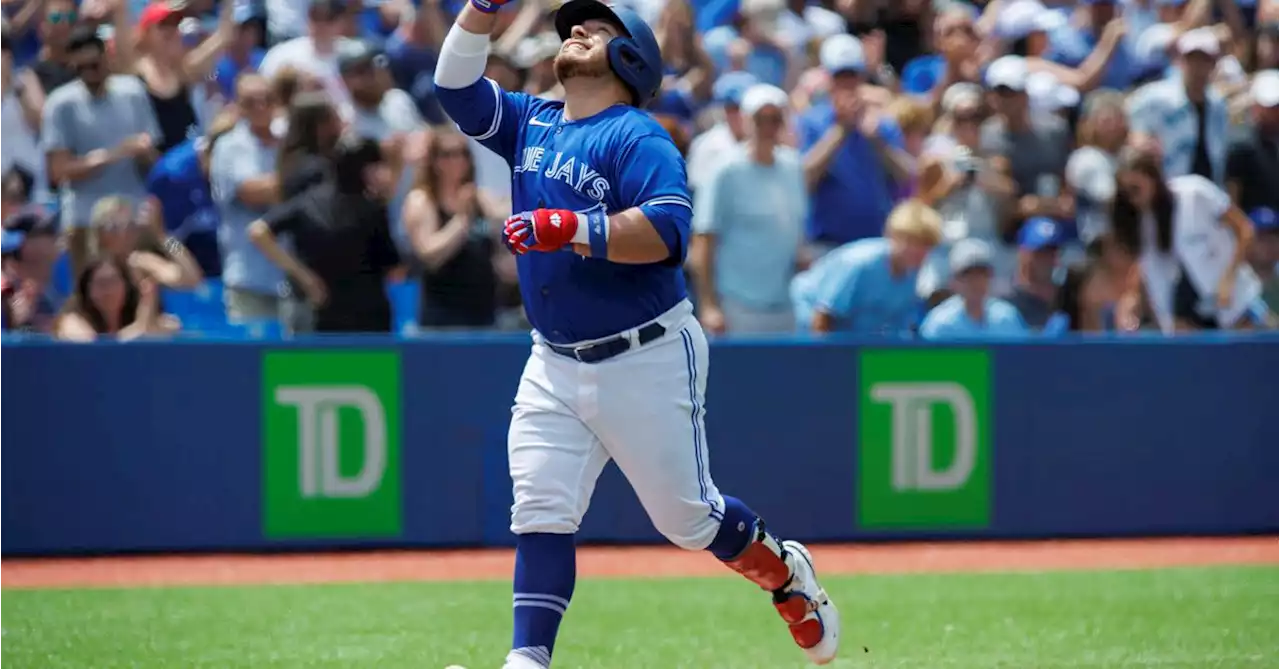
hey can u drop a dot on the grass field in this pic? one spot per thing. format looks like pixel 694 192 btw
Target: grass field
pixel 1187 617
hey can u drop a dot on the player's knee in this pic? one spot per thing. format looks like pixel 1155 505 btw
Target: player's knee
pixel 690 534
pixel 544 515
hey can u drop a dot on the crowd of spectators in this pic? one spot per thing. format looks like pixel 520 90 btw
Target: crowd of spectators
pixel 944 168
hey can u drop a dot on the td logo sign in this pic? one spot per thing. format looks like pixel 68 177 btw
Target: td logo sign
pixel 331 444
pixel 924 448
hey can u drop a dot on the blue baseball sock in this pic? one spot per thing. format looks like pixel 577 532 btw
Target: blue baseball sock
pixel 736 530
pixel 545 571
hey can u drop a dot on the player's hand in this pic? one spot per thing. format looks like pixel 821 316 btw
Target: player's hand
pixel 488 6
pixel 540 230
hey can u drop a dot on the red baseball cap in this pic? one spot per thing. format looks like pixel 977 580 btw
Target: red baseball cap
pixel 157 13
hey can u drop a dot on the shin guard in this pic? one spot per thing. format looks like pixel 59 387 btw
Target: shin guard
pixel 763 561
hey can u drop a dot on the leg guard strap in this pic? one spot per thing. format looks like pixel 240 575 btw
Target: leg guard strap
pixel 763 561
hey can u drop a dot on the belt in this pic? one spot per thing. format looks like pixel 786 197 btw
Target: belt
pixel 603 350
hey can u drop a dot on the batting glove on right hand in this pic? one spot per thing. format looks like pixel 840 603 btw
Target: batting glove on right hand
pixel 540 230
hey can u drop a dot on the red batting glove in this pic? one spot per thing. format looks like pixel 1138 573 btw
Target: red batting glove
pixel 540 230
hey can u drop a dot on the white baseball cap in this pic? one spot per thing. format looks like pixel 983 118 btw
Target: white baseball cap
pixel 760 96
pixel 1152 46
pixel 1266 88
pixel 842 53
pixel 1023 17
pixel 1049 94
pixel 959 93
pixel 1007 72
pixel 1203 40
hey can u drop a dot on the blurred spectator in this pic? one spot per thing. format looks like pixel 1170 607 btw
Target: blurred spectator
pixel 972 311
pixel 236 45
pixel 689 70
pixel 453 229
pixel 748 226
pixel 312 130
pixel 100 136
pixel 869 286
pixel 1264 253
pixel 383 113
pixel 1091 290
pixel 161 62
pixel 342 245
pixel 23 104
pixel 1191 267
pixel 16 188
pixel 846 145
pixel 179 184
pixel 138 241
pixel 1091 169
pixel 1074 41
pixel 713 147
pixel 915 120
pixel 411 54
pixel 969 189
pixel 31 247
pixel 533 62
pixel 108 303
pixel 1182 115
pixel 242 175
pixel 1031 149
pixel 1035 293
pixel 53 65
pixel 315 53
pixel 753 44
pixel 1252 177
pixel 958 59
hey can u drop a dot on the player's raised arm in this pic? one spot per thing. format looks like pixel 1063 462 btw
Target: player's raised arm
pixel 479 107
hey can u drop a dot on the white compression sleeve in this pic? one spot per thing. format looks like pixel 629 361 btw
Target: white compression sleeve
pixel 462 58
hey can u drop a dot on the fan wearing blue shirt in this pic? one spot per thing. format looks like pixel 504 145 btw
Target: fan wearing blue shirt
pixel 179 181
pixel 242 53
pixel 1071 44
pixel 972 312
pixel 869 286
pixel 850 194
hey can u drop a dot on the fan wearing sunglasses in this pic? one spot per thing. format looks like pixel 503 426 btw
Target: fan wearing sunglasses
pixel 99 134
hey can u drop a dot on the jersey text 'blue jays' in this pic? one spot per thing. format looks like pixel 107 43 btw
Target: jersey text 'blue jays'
pixel 615 160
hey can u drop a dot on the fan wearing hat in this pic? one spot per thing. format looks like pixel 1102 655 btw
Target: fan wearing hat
pixel 236 45
pixel 161 60
pixel 845 145
pixel 748 225
pixel 712 148
pixel 1030 148
pixel 1034 290
pixel 972 312
pixel 1252 158
pixel 1183 115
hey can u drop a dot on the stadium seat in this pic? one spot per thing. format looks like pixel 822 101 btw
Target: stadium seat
pixel 200 309
pixel 404 296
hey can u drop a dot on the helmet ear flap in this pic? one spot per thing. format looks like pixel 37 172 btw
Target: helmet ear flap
pixel 633 69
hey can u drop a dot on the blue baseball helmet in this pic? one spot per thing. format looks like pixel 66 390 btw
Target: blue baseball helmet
pixel 633 56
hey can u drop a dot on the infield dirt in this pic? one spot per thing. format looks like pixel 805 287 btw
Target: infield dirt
pixel 627 562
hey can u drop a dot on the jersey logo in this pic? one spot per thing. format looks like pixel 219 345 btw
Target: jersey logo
pixel 571 171
pixel 540 124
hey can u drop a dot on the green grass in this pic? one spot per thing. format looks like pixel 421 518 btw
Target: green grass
pixel 1193 618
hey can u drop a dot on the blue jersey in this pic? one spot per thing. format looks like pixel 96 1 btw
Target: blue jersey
pixel 182 188
pixel 615 160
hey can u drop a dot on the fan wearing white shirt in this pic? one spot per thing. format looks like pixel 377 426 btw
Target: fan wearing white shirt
pixel 1190 244
pixel 316 53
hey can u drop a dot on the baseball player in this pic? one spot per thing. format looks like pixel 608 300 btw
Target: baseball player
pixel 618 367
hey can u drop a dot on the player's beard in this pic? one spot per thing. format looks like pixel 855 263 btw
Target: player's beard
pixel 574 62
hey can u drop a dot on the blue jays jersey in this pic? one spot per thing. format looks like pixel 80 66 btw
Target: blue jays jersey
pixel 612 161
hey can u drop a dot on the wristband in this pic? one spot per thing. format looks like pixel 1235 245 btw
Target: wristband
pixel 486 6
pixel 593 230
